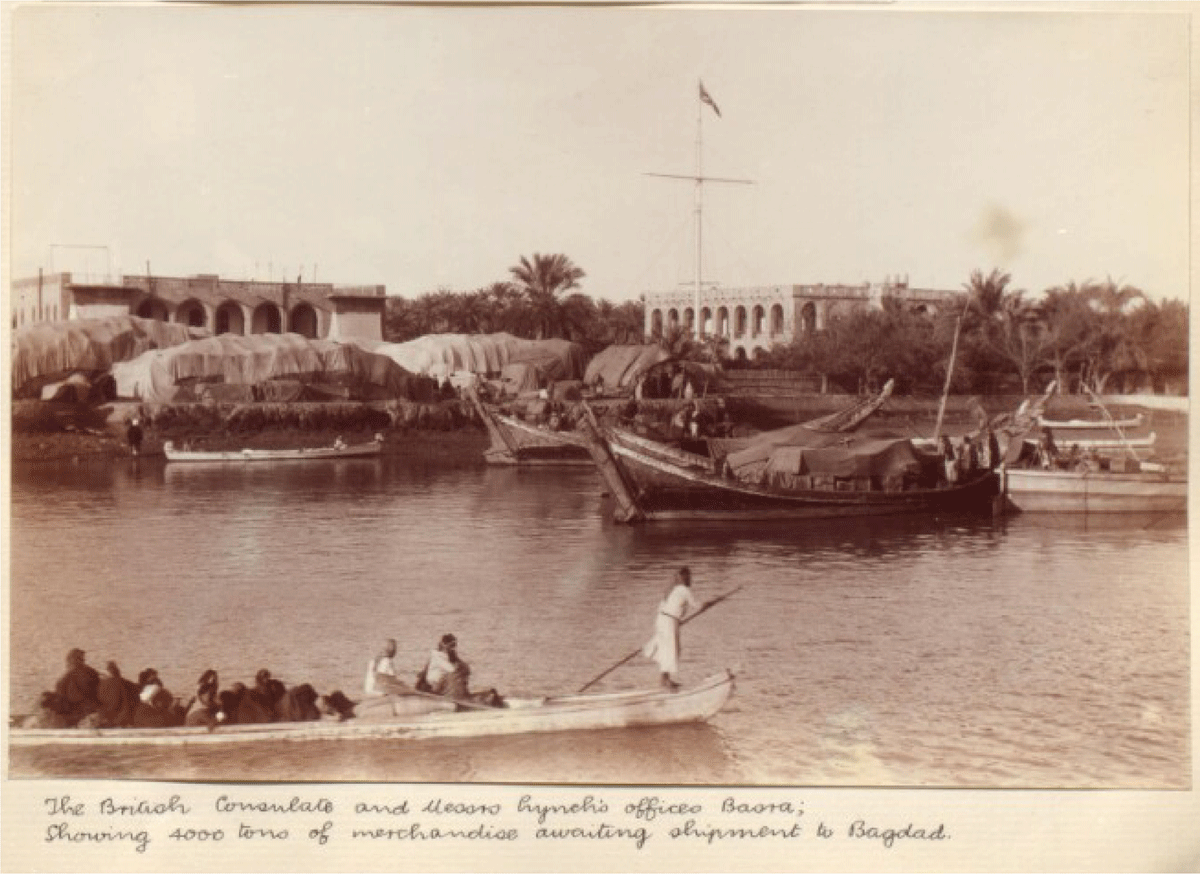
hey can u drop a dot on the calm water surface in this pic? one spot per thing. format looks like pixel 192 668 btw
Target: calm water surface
pixel 1031 652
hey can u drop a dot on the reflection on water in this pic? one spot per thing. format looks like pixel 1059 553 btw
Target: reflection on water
pixel 1032 651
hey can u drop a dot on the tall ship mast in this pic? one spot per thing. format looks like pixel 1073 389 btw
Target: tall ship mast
pixel 698 178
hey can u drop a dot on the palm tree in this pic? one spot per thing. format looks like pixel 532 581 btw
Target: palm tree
pixel 542 281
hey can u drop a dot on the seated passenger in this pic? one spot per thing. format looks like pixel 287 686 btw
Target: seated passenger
pixel 118 699
pixel 268 692
pixel 337 706
pixel 75 692
pixel 299 704
pixel 448 675
pixel 206 709
pixel 381 670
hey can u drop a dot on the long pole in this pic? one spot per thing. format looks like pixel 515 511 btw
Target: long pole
pixel 699 213
pixel 707 606
pixel 937 429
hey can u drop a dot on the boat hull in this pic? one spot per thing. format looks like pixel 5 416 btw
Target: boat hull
pixel 1091 424
pixel 658 486
pixel 1062 491
pixel 523 444
pixel 571 713
pixel 364 450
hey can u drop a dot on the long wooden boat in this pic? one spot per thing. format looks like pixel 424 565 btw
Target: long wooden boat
pixel 1065 491
pixel 651 482
pixel 1094 424
pixel 358 450
pixel 567 713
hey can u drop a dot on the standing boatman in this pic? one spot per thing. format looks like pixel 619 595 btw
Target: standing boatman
pixel 665 646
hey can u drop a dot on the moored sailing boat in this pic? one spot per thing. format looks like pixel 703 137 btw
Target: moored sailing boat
pixel 827 475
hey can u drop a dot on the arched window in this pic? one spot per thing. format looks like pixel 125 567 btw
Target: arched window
pixel 191 313
pixel 739 323
pixel 267 319
pixel 776 320
pixel 229 319
pixel 759 318
pixel 303 321
pixel 152 308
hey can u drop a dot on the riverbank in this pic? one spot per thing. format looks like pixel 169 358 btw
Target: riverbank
pixel 448 434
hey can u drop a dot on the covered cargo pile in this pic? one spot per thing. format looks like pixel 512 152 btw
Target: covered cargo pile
pixel 618 368
pixel 264 362
pixel 50 352
pixel 799 458
pixel 543 363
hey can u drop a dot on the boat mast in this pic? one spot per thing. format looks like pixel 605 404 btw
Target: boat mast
pixel 696 320
pixel 698 178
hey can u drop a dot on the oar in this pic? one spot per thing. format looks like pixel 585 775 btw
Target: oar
pixel 708 605
pixel 400 688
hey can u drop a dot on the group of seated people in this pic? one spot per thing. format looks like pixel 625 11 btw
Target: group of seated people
pixel 85 698
pixel 1048 456
pixel 445 674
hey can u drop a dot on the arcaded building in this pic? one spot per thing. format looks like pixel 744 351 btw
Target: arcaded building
pixel 224 306
pixel 755 319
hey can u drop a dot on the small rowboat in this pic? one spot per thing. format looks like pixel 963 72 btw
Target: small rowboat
pixel 566 713
pixel 358 450
pixel 1094 424
pixel 1103 443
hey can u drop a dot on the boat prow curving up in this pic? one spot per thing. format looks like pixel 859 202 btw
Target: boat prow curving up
pixel 566 713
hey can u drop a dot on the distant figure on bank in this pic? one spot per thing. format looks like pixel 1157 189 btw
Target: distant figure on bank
pixel 382 664
pixel 134 435
pixel 665 646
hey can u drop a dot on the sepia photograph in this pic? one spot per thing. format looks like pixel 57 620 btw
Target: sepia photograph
pixel 671 397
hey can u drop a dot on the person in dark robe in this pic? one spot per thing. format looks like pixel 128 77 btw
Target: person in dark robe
pixel 157 707
pixel 337 706
pixel 268 692
pixel 76 690
pixel 134 435
pixel 46 716
pixel 250 707
pixel 299 704
pixel 231 702
pixel 118 698
pixel 207 707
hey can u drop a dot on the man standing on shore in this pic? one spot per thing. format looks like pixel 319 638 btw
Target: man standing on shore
pixel 665 646
pixel 133 435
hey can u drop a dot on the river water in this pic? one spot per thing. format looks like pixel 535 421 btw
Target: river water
pixel 958 652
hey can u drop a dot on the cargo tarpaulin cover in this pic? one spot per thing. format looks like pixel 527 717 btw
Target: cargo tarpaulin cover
pixel 229 358
pixel 50 351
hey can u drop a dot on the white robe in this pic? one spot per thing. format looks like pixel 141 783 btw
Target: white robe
pixel 664 647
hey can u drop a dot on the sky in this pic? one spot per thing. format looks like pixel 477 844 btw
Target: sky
pixel 432 148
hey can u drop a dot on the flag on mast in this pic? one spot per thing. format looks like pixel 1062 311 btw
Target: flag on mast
pixel 706 98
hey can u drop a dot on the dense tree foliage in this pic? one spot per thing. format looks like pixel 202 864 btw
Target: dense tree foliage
pixel 534 303
pixel 1100 336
